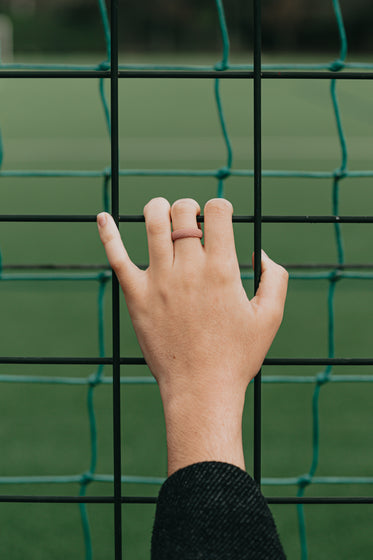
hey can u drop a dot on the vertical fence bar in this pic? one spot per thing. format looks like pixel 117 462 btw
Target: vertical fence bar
pixel 257 217
pixel 115 284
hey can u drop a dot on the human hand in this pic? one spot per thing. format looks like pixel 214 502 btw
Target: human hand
pixel 201 336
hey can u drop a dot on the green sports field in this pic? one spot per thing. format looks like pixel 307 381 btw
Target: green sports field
pixel 173 125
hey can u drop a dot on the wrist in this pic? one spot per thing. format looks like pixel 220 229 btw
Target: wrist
pixel 203 427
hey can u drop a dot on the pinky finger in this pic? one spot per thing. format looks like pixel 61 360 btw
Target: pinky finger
pixel 127 272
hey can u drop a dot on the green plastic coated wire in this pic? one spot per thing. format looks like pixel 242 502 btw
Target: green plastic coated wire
pixel 325 376
pixel 97 378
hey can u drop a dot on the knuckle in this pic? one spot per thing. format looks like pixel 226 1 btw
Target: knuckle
pixel 189 275
pixel 155 226
pixel 163 294
pixel 219 206
pixel 183 205
pixel 157 203
pixel 109 237
pixel 223 273
pixel 282 273
pixel 116 264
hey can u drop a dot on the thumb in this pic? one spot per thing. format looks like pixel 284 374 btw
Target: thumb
pixel 127 272
pixel 271 294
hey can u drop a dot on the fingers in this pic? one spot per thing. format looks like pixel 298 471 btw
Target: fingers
pixel 183 215
pixel 127 272
pixel 158 228
pixel 271 294
pixel 219 236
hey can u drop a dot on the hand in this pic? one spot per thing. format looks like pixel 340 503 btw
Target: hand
pixel 200 335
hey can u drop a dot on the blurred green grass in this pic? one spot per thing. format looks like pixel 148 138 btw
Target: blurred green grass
pixel 173 124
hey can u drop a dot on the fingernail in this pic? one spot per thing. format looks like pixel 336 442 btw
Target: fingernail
pixel 101 219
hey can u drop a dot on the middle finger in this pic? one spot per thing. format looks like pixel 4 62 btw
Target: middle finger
pixel 183 215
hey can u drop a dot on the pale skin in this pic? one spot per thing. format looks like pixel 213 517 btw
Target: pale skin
pixel 201 336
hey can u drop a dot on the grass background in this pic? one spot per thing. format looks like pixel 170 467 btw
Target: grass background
pixel 173 124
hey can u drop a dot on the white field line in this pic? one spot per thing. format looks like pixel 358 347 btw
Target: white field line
pixel 275 148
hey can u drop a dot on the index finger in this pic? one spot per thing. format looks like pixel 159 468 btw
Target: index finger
pixel 127 272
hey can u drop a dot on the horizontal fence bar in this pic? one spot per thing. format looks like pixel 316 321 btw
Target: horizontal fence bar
pixel 49 218
pixel 189 74
pixel 309 75
pixel 336 273
pixel 169 173
pixel 236 219
pixel 55 74
pixel 158 480
pixel 306 219
pixel 77 499
pixel 301 379
pixel 105 65
pixel 43 360
pixel 336 500
pixel 148 380
pixel 245 74
pixel 318 361
pixel 105 267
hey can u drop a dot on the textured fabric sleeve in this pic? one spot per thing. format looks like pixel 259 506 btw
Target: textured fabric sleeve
pixel 213 511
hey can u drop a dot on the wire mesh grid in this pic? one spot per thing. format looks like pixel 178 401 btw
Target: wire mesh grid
pixel 110 70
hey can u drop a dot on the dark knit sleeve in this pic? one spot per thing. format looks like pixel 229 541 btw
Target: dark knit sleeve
pixel 213 511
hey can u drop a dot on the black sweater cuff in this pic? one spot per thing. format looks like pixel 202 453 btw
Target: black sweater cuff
pixel 213 511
